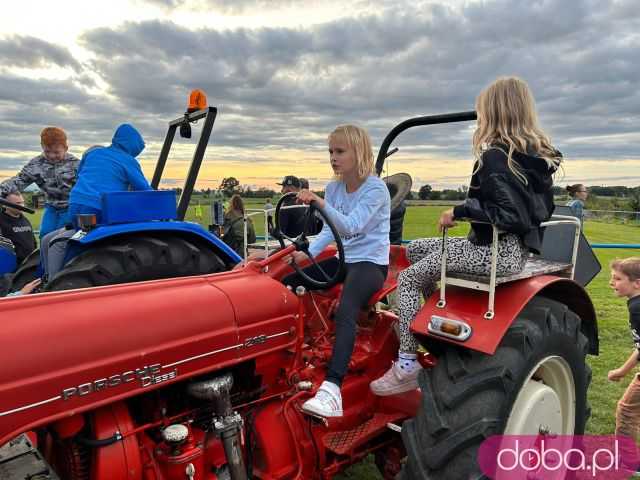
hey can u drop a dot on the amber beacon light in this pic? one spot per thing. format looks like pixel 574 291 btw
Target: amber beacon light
pixel 197 101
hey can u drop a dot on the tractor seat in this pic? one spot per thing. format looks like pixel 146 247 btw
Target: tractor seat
pixel 535 266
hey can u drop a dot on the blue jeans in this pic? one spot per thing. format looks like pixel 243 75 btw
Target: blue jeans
pixel 52 219
pixel 53 247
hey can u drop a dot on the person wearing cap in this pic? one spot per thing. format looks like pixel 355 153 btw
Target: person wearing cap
pixel 54 171
pixel 315 227
pixel 291 220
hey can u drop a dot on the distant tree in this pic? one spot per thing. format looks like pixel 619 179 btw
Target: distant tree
pixel 425 192
pixel 229 186
pixel 634 202
pixel 410 195
pixel 263 192
pixel 448 194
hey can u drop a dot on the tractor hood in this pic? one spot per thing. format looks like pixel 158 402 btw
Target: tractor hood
pixel 68 352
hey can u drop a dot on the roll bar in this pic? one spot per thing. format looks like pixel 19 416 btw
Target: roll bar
pixel 416 122
pixel 209 114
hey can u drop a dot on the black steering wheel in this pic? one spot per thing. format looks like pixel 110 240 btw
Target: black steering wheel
pixel 22 208
pixel 301 242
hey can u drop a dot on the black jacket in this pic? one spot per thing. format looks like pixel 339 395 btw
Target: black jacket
pixel 20 232
pixel 497 196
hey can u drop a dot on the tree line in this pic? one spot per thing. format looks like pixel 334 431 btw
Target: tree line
pixel 231 185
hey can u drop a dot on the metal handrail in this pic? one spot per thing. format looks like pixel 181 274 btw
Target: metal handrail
pixel 561 220
pixel 265 212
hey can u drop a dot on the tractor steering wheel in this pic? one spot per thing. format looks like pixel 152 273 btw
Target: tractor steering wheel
pixel 22 208
pixel 302 244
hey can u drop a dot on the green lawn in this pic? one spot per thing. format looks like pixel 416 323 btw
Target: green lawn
pixel 615 341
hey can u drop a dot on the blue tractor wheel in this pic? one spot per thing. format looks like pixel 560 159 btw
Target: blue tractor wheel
pixel 134 259
pixel 27 271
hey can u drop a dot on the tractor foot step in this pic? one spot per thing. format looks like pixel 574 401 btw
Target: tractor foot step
pixel 19 459
pixel 345 441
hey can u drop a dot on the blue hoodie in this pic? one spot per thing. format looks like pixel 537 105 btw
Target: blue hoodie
pixel 110 169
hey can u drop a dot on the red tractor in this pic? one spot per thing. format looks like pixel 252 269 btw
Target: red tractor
pixel 203 377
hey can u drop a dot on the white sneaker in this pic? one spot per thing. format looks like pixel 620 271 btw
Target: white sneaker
pixel 326 403
pixel 396 380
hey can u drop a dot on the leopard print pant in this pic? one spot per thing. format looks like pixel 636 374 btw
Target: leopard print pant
pixel 425 256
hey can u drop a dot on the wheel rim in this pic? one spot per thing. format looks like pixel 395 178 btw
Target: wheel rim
pixel 546 403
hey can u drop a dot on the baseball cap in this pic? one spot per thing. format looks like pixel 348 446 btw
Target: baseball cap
pixel 290 181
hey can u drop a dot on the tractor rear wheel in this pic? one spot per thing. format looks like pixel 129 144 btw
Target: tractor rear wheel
pixel 135 259
pixel 26 272
pixel 469 396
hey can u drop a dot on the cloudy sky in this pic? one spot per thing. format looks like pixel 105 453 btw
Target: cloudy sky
pixel 284 73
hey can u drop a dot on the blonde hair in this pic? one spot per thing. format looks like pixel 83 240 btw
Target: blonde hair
pixel 358 139
pixel 627 266
pixel 507 116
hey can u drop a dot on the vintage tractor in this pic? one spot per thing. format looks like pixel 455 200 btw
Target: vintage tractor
pixel 203 377
pixel 143 235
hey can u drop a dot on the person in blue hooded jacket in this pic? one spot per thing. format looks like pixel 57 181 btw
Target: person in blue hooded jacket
pixel 101 170
pixel 108 169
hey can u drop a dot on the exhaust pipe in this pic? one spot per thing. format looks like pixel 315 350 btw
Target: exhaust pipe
pixel 226 423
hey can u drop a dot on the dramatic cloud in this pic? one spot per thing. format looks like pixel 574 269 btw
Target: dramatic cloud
pixel 31 52
pixel 284 88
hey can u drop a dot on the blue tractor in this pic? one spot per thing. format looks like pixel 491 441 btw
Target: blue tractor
pixel 143 235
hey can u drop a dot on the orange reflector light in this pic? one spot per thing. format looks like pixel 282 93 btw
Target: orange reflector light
pixel 449 328
pixel 197 101
pixel 86 221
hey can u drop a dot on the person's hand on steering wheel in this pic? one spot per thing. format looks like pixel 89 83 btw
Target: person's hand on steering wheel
pixel 301 243
pixel 307 196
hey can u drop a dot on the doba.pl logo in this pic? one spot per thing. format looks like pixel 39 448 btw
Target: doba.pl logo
pixel 555 457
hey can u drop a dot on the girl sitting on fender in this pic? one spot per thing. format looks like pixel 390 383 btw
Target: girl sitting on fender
pixel 510 188
pixel 358 203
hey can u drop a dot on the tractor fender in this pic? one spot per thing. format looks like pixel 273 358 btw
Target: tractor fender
pixel 82 240
pixel 469 306
pixel 7 258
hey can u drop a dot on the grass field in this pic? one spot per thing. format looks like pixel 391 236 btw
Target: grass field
pixel 615 341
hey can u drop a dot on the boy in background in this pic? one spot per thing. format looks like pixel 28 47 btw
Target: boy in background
pixel 625 281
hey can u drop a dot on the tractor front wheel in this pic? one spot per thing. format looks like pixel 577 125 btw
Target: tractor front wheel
pixel 536 382
pixel 135 259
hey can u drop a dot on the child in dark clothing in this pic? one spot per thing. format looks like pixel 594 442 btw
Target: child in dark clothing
pixel 625 281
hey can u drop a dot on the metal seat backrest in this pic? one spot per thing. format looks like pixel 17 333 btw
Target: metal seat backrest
pixel 557 246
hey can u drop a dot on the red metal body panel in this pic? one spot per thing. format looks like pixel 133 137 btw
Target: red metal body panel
pixel 470 306
pixel 104 346
pixel 184 327
pixel 121 460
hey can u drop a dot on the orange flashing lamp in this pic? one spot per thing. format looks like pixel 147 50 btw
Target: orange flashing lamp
pixel 197 101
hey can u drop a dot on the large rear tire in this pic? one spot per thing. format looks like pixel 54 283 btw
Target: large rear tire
pixel 469 396
pixel 135 259
pixel 26 272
